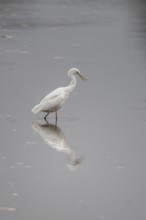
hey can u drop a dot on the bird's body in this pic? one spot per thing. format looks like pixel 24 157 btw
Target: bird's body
pixel 54 100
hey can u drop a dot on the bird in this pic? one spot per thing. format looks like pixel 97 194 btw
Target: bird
pixel 54 100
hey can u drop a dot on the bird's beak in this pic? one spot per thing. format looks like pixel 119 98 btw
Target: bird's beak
pixel 82 76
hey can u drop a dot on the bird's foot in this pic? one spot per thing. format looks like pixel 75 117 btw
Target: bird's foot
pixel 45 118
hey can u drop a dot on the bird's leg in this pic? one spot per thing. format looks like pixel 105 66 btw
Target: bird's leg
pixel 56 118
pixel 45 118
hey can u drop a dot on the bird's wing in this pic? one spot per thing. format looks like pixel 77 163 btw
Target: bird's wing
pixel 52 95
pixel 51 104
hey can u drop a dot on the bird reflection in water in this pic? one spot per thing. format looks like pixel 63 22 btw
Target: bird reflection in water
pixel 55 138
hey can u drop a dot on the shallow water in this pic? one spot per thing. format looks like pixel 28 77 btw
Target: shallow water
pixel 92 164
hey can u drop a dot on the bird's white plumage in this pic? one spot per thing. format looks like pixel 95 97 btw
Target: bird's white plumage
pixel 54 100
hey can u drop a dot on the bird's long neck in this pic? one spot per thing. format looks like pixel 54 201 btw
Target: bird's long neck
pixel 72 84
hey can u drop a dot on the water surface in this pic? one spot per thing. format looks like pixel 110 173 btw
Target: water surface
pixel 92 164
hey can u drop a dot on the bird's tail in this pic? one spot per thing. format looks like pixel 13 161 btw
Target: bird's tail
pixel 36 109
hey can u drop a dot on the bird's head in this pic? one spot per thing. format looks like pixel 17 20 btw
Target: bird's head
pixel 75 71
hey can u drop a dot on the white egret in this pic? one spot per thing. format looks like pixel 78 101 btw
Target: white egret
pixel 54 100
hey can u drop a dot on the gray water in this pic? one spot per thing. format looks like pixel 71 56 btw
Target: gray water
pixel 92 164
